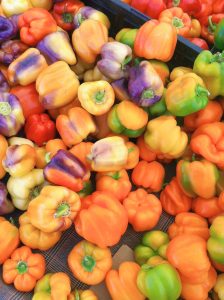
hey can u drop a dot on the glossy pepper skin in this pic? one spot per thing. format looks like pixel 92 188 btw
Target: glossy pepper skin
pixel 150 41
pixel 96 97
pixel 219 35
pixel 54 209
pixel 186 94
pixel 215 243
pixel 11 7
pixel 208 208
pixel 10 50
pixel 33 237
pixel 218 6
pixel 159 282
pixel 87 12
pixel 3 149
pixel 145 85
pixel 128 119
pixel 8 29
pixel 64 12
pixel 35 24
pixel 153 243
pixel 210 67
pixel 151 8
pixel 195 29
pixel 188 6
pixel 89 263
pixel 179 71
pixel 46 4
pixel 6 205
pixel 26 68
pixel 39 128
pixel 115 57
pixel 23 269
pixel 25 188
pixel 11 115
pixel 52 286
pixel 127 36
pixel 81 151
pixel 209 25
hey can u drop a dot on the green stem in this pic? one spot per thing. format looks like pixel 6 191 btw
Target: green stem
pixel 88 263
pixel 116 175
pixel 147 94
pixel 67 17
pixel 130 150
pixel 178 23
pixel 125 62
pixel 218 57
pixel 35 192
pixel 77 297
pixel 193 158
pixel 80 19
pixel 5 109
pixel 176 2
pixel 22 267
pixel 63 210
pixel 12 221
pixel 211 25
pixel 48 157
pixel 100 97
pixel 200 91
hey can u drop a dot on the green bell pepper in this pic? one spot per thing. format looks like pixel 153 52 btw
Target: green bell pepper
pixel 154 243
pixel 127 36
pixel 215 244
pixel 43 289
pixel 210 67
pixel 159 108
pixel 219 36
pixel 161 282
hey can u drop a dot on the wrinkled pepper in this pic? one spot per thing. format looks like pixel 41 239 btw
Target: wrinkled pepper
pixel 179 72
pixel 195 29
pixel 6 205
pixel 87 12
pixel 127 36
pixel 215 244
pixel 219 35
pixel 10 50
pixel 12 7
pixel 8 29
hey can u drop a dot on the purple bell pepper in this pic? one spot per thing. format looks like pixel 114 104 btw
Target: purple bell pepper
pixel 4 86
pixel 8 28
pixel 10 50
pixel 6 206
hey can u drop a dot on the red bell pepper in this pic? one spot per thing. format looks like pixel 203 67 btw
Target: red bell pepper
pixel 64 11
pixel 206 9
pixel 140 5
pixel 218 6
pixel 209 25
pixel 40 129
pixel 199 42
pixel 189 6
pixel 154 8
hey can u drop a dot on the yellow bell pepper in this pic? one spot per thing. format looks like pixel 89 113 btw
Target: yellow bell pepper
pixel 94 75
pixel 46 4
pixel 219 286
pixel 81 67
pixel 14 7
pixel 82 295
pixel 179 71
pixel 24 189
pixel 16 140
pixel 163 136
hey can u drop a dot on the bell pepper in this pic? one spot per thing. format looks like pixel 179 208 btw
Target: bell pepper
pixel 107 214
pixel 115 58
pixel 199 42
pixel 26 68
pixel 8 29
pixel 81 67
pixel 10 241
pixel 188 6
pixel 11 50
pixel 217 6
pixel 207 208
pixel 162 69
pixel 39 128
pixel 25 188
pixel 16 140
pixel 143 209
pixel 179 72
pixel 52 147
pixel 195 29
pixel 23 269
pixel 153 243
pixel 87 190
pixel 149 175
pixel 88 40
pixel 3 149
pixel 133 156
pixel 46 4
pixel 186 94
pixel 188 222
pixel 151 8
pixel 65 11
pixel 128 119
pixel 48 46
pixel 159 108
pixel 96 97
pixel 117 182
pixel 121 283
pixel 163 136
pixel 87 12
pixel 83 295
pixel 145 85
pixel 6 205
pixel 215 243
pixel 127 36
pixel 57 85
pixel 54 209
pixel 81 151
pixel 209 25
pixel 35 24
pixel 4 85
pixel 207 141
pixel 94 75
pixel 76 126
pixel 219 286
pixel 89 263
pixel 41 155
pixel 54 113
pixel 12 7
pixel 219 34
pixel 178 18
pixel 144 151
pixel 19 160
pixel 151 43
pixel 53 286
pixel 66 170
pixel 173 200
pixel 159 282
pixel 188 254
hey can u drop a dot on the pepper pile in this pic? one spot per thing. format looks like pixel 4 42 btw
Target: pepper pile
pixel 200 21
pixel 85 131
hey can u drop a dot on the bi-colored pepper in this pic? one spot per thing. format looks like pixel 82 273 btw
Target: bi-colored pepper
pixel 11 50
pixel 215 243
pixel 82 295
pixel 195 29
pixel 209 24
pixel 127 36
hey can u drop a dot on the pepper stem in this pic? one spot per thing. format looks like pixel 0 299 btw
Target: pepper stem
pixel 218 57
pixel 100 97
pixel 88 263
pixel 80 18
pixel 62 210
pixel 125 62
pixel 147 94
pixel 22 267
pixel 116 175
pixel 176 2
pixel 201 91
pixel 193 158
pixel 48 157
pixel 35 192
pixel 211 25
pixel 177 22
pixel 67 17
pixel 77 297
pixel 5 109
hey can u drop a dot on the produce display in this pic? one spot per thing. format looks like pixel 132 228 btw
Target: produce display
pixel 101 135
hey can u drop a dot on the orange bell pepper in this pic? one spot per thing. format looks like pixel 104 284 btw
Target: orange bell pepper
pixel 35 24
pixel 81 151
pixel 133 156
pixel 88 40
pixel 188 254
pixel 178 18
pixel 121 283
pixel 23 269
pixel 179 71
pixel 208 141
pixel 151 43
pixel 145 152
pixel 40 157
pixel 143 209
pixel 195 30
pixel 53 146
pixel 3 149
pixel 208 208
pixel 54 113
pixel 173 200
pixel 116 182
pixel 75 127
pixel 149 175
pixel 189 223
pixel 107 214
pixel 210 114
pixel 89 263
pixel 102 128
